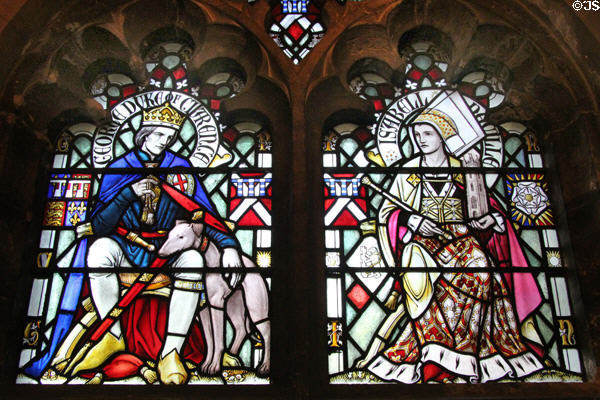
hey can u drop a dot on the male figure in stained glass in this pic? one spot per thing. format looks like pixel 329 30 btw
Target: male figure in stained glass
pixel 133 203
pixel 462 319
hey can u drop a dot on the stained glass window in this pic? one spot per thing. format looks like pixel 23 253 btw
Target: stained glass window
pixel 443 259
pixel 370 80
pixel 154 257
pixel 296 27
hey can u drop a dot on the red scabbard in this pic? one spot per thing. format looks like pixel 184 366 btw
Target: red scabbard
pixel 192 206
pixel 131 294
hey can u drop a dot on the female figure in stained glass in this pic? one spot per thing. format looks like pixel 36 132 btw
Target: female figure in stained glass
pixel 464 320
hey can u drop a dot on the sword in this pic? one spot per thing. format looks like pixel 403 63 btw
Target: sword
pixel 140 283
pixel 367 181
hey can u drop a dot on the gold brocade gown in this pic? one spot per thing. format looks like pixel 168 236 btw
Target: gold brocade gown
pixel 461 316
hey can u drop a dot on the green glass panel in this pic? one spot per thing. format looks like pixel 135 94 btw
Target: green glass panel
pixel 113 91
pixel 55 291
pixel 74 159
pixel 244 144
pixel 171 61
pixel 375 203
pixel 119 150
pixel 544 329
pixel 385 290
pixel 531 258
pixel 407 149
pixel 349 145
pixel 136 121
pixel 302 42
pixel 353 353
pixel 367 324
pixel 127 138
pixel 371 91
pixel 532 238
pixel 343 160
pixel 96 185
pixel 228 334
pixel 512 145
pixel 541 279
pixel 251 159
pixel 482 90
pixel 246 353
pixel 84 145
pixel 546 311
pixel 48 332
pixel 553 353
pixel 211 181
pixel 377 178
pixel 423 62
pixel 187 131
pixel 350 239
pixel 220 204
pixel 224 188
pixel 65 238
pixel 349 280
pixel 521 158
pixel 500 188
pixel 245 238
pixel 223 91
pixel 404 136
pixel 64 260
pixel 176 147
pixel 350 314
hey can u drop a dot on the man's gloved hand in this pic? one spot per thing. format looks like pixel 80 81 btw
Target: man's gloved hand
pixel 144 187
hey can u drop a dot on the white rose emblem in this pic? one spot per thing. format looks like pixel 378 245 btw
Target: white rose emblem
pixel 529 198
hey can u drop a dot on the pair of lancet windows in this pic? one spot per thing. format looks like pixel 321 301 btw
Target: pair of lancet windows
pixel 442 257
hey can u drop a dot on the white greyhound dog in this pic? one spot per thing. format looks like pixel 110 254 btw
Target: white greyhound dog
pixel 246 303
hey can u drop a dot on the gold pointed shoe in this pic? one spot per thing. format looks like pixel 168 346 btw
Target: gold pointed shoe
pixel 171 370
pixel 96 356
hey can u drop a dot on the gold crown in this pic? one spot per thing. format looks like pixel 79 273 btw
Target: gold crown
pixel 164 115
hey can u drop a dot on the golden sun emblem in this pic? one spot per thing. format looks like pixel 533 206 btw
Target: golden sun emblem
pixel 554 259
pixel 263 259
